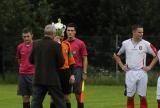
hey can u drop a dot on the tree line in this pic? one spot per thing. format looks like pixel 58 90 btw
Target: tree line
pixel 98 21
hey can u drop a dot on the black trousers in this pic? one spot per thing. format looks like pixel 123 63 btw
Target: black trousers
pixel 39 92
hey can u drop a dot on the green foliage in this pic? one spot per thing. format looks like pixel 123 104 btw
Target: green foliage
pixel 99 20
pixel 96 76
pixel 110 79
pixel 9 78
pixel 101 76
pixel 14 16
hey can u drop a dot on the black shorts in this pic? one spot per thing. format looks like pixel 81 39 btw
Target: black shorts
pixel 25 85
pixel 78 80
pixel 64 78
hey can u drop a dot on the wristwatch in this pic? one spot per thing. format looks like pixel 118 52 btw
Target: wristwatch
pixel 84 72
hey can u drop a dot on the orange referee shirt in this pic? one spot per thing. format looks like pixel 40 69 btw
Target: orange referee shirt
pixel 67 53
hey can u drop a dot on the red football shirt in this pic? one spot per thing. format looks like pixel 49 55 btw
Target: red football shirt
pixel 78 50
pixel 22 53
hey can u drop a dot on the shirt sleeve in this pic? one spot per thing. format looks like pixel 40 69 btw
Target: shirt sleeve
pixel 151 49
pixel 18 55
pixel 121 49
pixel 83 49
pixel 159 56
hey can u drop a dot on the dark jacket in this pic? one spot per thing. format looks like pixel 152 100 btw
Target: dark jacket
pixel 47 57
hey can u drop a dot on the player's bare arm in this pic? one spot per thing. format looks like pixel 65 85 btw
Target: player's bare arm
pixel 118 60
pixel 154 61
pixel 85 65
pixel 72 79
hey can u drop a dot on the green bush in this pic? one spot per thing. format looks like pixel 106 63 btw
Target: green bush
pixel 104 77
pixel 9 78
pixel 95 77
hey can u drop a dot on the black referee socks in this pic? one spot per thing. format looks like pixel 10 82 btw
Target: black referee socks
pixel 80 105
pixel 26 105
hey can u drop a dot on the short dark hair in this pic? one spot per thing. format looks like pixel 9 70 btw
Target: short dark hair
pixel 72 25
pixel 27 29
pixel 135 26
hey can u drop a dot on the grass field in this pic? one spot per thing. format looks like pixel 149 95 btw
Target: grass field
pixel 95 97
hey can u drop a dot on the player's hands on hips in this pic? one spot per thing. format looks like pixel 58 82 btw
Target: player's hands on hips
pixel 125 68
pixel 72 79
pixel 146 68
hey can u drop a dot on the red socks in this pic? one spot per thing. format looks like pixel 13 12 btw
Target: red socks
pixel 158 102
pixel 26 105
pixel 143 103
pixel 130 103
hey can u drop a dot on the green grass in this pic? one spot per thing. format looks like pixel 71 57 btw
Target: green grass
pixel 95 97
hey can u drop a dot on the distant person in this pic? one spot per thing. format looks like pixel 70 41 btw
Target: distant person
pixel 135 68
pixel 79 52
pixel 66 72
pixel 47 57
pixel 26 70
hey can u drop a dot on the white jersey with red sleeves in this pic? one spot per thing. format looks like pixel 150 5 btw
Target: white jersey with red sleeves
pixel 136 53
pixel 158 81
pixel 159 56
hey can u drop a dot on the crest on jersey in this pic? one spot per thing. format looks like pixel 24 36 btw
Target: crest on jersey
pixel 140 47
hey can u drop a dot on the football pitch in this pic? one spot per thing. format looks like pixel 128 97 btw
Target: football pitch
pixel 95 97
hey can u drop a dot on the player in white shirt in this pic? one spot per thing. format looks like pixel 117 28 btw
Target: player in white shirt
pixel 158 84
pixel 136 77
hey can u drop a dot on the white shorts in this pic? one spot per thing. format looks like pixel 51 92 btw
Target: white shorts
pixel 136 82
pixel 158 88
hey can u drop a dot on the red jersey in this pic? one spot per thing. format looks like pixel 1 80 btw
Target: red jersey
pixel 22 53
pixel 78 50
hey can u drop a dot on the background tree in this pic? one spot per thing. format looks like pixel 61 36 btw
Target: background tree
pixel 99 21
